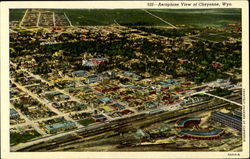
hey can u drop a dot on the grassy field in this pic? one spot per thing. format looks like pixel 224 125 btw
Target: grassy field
pixel 189 17
pixel 109 16
pixel 86 122
pixel 16 14
pixel 16 138
pixel 200 17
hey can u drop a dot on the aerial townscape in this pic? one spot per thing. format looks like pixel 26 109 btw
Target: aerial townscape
pixel 125 80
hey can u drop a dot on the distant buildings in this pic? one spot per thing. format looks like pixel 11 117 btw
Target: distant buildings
pixel 131 74
pixel 227 86
pixel 127 111
pixel 79 73
pixel 109 75
pixel 94 62
pixel 216 64
pixel 106 88
pixel 64 97
pixel 92 79
pixel 222 80
pixel 193 100
pixel 230 120
pixel 105 100
pixel 157 131
pixel 169 83
pixel 118 106
pixel 14 114
pixel 99 118
pixel 151 105
pixel 181 61
pixel 56 105
pixel 48 43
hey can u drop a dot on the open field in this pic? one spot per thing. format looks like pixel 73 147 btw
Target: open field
pixel 200 17
pixel 16 138
pixel 95 17
pixel 16 14
pixel 107 17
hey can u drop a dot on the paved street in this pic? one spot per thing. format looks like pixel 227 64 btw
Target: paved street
pixel 45 103
pixel 28 122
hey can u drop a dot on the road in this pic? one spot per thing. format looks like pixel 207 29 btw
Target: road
pixel 223 99
pixel 204 92
pixel 113 101
pixel 28 122
pixel 94 127
pixel 122 125
pixel 54 19
pixel 159 18
pixel 68 19
pixel 43 101
pixel 38 19
pixel 21 23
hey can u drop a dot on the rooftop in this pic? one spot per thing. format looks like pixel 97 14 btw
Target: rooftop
pixel 59 125
pixel 229 116
pixel 197 133
pixel 13 111
pixel 98 116
pixel 105 99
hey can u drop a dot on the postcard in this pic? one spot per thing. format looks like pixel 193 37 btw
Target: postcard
pixel 124 79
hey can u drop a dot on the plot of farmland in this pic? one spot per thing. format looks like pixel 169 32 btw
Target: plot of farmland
pixel 16 14
pixel 94 17
pixel 200 17
pixel 189 17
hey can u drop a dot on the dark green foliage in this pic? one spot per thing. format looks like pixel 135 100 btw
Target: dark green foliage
pixel 16 14
pixel 86 122
pixel 16 138
pixel 221 92
pixel 200 17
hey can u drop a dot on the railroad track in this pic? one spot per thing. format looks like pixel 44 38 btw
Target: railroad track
pixel 126 125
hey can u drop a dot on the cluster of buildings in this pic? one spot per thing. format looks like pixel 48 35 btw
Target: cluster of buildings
pixel 42 18
pixel 232 119
pixel 55 125
pixel 61 20
pixel 194 99
pixel 94 62
pixel 30 19
pixel 46 19
pixel 89 96
pixel 187 133
pixel 104 97
pixel 29 106
pixel 15 117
